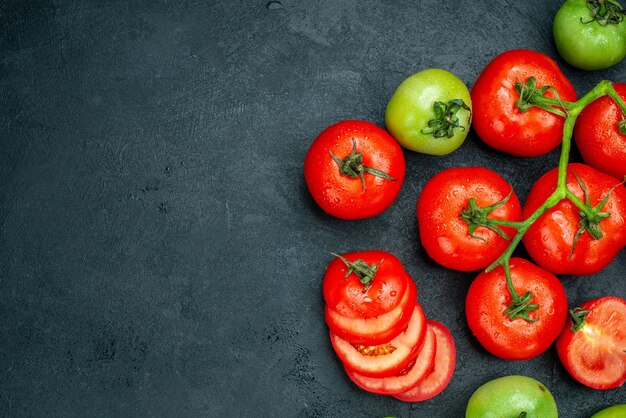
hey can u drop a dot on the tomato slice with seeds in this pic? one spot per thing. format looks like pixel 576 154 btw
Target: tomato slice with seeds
pixel 385 359
pixel 438 379
pixel 412 375
pixel 374 330
pixel 593 352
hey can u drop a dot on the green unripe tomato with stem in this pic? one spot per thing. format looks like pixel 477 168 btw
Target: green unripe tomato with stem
pixel 590 34
pixel 430 112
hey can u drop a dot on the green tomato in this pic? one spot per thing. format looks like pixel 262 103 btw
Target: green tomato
pixel 590 35
pixel 430 112
pixel 615 411
pixel 510 397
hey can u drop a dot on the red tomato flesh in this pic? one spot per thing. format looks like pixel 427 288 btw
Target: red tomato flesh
pixel 416 371
pixel 438 379
pixel 594 355
pixel 400 350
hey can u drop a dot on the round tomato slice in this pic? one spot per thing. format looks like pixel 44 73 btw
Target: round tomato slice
pixel 415 372
pixel 593 353
pixel 438 379
pixel 374 330
pixel 386 359
pixel 365 284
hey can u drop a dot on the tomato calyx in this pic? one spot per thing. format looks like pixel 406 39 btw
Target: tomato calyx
pixel 590 216
pixel 578 316
pixel 604 12
pixel 530 96
pixel 522 415
pixel 363 271
pixel 475 216
pixel 444 122
pixel 352 166
pixel 520 306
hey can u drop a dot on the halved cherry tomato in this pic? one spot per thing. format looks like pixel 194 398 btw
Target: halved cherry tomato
pixel 374 330
pixel 438 379
pixel 497 119
pixel 386 359
pixel 516 339
pixel 592 344
pixel 561 241
pixel 354 169
pixel 448 221
pixel 415 372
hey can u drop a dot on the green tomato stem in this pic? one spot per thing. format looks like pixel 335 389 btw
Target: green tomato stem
pixel 571 110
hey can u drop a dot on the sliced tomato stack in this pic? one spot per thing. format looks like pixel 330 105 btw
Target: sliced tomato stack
pixel 379 330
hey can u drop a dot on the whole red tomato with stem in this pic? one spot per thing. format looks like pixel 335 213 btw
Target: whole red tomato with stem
pixel 354 169
pixel 502 327
pixel 584 231
pixel 600 134
pixel 369 296
pixel 516 103
pixel 591 346
pixel 463 215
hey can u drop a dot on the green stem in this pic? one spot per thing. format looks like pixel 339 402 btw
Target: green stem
pixel 570 112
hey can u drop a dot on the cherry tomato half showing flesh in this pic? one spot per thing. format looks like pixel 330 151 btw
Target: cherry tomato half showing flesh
pixel 590 34
pixel 430 112
pixel 354 170
pixel 439 378
pixel 410 377
pixel 448 221
pixel 600 134
pixel 516 339
pixel 497 119
pixel 550 240
pixel 387 359
pixel 592 347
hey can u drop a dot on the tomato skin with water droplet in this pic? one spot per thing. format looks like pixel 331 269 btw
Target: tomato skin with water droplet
pixel 346 197
pixel 488 297
pixel 549 241
pixel 445 236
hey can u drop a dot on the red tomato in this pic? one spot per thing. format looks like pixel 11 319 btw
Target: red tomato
pixel 374 330
pixel 386 359
pixel 488 298
pixel 550 240
pixel 354 170
pixel 594 354
pixel 369 297
pixel 438 379
pixel 415 372
pixel 496 118
pixel 443 232
pixel 598 137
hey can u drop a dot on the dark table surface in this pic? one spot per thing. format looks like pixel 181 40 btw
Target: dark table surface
pixel 159 252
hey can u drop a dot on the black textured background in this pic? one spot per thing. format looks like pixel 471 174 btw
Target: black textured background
pixel 159 252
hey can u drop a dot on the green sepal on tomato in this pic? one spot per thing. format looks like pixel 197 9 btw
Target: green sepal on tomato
pixel 430 112
pixel 592 343
pixel 600 134
pixel 489 298
pixel 459 214
pixel 566 241
pixel 507 124
pixel 590 34
pixel 354 170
